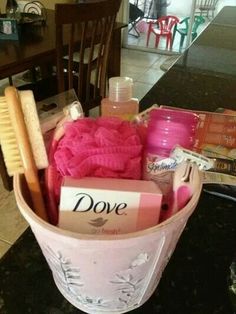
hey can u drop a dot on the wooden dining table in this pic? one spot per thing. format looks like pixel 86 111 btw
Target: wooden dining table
pixel 36 47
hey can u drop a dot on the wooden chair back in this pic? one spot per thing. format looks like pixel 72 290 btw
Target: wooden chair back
pixel 91 24
pixel 206 7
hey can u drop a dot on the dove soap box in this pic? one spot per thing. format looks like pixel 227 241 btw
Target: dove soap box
pixel 107 206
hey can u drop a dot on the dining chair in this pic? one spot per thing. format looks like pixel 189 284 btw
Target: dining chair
pixel 93 23
pixel 135 16
pixel 162 27
pixel 183 27
pixel 205 7
pixel 83 36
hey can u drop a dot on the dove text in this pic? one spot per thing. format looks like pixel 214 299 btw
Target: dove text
pixel 85 203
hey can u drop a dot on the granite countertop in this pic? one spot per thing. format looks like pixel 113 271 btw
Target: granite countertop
pixel 195 280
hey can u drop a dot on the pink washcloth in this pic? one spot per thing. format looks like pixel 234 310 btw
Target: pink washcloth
pixel 103 147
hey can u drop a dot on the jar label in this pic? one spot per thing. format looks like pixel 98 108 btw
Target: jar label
pixel 159 169
pixel 156 164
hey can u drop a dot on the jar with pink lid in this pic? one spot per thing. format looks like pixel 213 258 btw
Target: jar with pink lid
pixel 166 129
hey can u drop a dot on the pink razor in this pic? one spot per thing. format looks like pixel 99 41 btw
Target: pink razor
pixel 185 180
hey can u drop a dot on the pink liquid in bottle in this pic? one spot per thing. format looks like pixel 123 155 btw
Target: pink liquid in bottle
pixel 120 102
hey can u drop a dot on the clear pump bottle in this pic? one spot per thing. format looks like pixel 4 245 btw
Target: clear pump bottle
pixel 120 102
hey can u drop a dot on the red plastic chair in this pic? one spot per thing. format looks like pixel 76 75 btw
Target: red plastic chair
pixel 162 27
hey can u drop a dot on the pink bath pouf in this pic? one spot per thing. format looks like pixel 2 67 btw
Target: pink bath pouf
pixel 102 147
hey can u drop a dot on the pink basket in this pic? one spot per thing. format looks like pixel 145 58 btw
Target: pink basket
pixel 106 274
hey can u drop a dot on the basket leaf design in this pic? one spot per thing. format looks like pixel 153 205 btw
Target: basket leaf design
pixel 69 278
pixel 67 275
pixel 128 285
pixel 128 282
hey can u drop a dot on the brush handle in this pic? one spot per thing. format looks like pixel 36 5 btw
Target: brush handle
pixel 21 134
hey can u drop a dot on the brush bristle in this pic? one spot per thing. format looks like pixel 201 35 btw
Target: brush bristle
pixel 8 141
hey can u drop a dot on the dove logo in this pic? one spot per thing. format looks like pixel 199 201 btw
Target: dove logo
pixel 98 222
pixel 86 203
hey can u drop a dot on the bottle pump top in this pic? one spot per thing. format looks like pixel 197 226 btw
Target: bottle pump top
pixel 120 89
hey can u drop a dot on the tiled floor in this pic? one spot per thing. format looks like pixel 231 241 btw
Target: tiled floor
pixel 143 67
pixel 12 224
pixel 145 70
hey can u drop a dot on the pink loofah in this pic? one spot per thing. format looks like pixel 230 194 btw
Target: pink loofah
pixel 105 147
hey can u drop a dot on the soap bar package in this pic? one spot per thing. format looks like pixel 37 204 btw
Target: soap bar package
pixel 108 206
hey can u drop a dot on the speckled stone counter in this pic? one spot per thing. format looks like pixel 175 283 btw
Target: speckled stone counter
pixel 195 280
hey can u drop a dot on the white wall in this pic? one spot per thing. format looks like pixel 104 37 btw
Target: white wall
pixel 183 7
pixel 223 3
pixel 180 7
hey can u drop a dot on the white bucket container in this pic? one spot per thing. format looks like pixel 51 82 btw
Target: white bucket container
pixel 106 274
